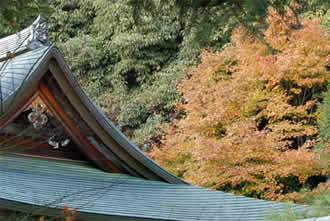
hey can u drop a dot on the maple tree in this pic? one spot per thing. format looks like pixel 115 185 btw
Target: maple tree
pixel 251 113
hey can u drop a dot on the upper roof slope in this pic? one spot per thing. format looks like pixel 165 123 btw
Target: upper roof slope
pixel 15 71
pixel 20 55
pixel 30 38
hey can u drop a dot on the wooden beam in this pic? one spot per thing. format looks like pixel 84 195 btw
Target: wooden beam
pixel 26 145
pixel 10 117
pixel 74 132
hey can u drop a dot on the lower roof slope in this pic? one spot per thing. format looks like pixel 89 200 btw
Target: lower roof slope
pixel 36 182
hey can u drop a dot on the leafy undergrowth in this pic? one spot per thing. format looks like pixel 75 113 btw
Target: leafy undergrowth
pixel 251 114
pixel 320 202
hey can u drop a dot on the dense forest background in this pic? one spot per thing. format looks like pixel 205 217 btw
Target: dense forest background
pixel 234 91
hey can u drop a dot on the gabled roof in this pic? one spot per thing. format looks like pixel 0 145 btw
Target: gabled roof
pixel 145 192
pixel 20 75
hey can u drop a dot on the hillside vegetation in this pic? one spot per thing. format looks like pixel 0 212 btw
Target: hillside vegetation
pixel 135 52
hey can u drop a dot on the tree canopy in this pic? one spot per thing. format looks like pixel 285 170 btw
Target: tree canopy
pixel 16 14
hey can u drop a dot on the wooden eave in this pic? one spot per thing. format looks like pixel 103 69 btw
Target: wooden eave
pixel 107 147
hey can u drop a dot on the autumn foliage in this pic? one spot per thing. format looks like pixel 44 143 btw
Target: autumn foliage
pixel 251 113
pixel 66 215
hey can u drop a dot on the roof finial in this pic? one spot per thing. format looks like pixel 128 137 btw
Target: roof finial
pixel 39 33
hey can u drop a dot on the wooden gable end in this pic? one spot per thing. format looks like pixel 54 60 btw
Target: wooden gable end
pixel 47 127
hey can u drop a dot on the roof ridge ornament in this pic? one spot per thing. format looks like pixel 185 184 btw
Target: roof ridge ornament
pixel 39 34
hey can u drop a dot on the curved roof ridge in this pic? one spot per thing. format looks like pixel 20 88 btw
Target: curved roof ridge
pixel 30 38
pixel 109 127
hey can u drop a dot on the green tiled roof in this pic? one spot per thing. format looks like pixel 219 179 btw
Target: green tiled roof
pixel 55 184
pixel 15 71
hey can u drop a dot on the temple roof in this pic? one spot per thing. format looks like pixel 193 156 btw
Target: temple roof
pixel 36 182
pixel 146 192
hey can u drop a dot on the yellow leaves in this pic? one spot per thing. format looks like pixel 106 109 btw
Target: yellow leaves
pixel 295 90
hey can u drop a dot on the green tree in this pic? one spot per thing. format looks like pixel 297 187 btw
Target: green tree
pixel 17 14
pixel 136 51
pixel 324 123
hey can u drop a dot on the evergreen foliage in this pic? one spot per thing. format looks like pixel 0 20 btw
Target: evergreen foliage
pixel 130 64
pixel 324 122
pixel 16 14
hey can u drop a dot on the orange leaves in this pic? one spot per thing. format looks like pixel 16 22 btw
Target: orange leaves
pixel 279 28
pixel 251 115
pixel 68 215
pixel 303 53
pixel 305 58
pixel 65 209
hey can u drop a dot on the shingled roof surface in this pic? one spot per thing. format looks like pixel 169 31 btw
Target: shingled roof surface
pixel 15 71
pixel 41 182
pixel 14 43
pixel 28 39
pixel 26 183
